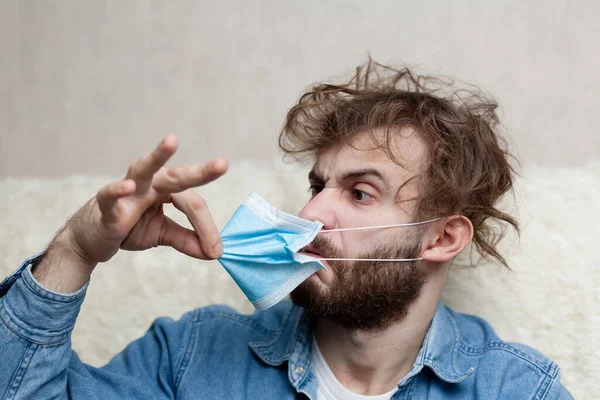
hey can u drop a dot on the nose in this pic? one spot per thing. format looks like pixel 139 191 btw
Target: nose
pixel 321 208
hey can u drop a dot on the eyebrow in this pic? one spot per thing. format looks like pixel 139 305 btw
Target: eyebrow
pixel 313 176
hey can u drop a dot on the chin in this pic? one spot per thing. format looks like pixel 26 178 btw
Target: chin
pixel 308 291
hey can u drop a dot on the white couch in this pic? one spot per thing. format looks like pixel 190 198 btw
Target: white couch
pixel 549 301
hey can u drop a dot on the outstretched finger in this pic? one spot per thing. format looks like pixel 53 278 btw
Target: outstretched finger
pixel 181 239
pixel 108 196
pixel 174 180
pixel 144 169
pixel 195 209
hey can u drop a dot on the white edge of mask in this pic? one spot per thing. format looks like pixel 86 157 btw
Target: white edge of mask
pixel 275 297
pixel 280 219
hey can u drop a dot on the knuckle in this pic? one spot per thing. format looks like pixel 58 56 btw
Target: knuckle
pixel 198 204
pixel 202 170
pixel 168 179
pixel 172 175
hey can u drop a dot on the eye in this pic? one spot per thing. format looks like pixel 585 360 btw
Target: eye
pixel 315 190
pixel 359 195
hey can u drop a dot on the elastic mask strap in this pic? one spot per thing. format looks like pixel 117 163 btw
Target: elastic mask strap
pixel 372 259
pixel 379 227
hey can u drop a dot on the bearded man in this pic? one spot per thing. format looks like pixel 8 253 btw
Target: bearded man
pixel 406 173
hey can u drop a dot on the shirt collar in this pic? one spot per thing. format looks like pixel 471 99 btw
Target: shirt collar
pixel 438 351
pixel 295 326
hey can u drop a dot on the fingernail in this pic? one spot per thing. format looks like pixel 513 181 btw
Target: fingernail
pixel 218 249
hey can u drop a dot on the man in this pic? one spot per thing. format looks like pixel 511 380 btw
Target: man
pixel 388 147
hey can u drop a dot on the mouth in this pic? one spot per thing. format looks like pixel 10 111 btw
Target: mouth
pixel 322 275
pixel 311 251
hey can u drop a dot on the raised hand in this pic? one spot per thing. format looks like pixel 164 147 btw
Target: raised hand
pixel 128 214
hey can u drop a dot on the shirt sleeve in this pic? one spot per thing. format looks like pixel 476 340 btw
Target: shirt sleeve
pixel 38 362
pixel 557 391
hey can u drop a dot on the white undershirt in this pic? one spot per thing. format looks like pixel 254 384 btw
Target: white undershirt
pixel 329 388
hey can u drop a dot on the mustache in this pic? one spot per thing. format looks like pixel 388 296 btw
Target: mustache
pixel 325 248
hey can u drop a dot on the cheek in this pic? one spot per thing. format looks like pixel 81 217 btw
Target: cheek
pixel 361 242
pixel 356 242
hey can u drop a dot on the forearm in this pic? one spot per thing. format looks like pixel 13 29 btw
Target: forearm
pixel 35 331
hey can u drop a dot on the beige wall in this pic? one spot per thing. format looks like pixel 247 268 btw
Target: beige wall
pixel 86 86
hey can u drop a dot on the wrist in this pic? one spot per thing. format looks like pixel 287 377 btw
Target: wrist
pixel 63 268
pixel 66 243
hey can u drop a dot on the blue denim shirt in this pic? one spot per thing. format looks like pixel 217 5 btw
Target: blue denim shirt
pixel 217 353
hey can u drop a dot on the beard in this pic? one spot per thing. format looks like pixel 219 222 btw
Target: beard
pixel 364 295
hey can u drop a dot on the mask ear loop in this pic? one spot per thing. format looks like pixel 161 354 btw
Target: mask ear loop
pixel 377 227
pixel 371 259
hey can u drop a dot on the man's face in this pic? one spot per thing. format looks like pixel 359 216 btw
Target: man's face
pixel 356 186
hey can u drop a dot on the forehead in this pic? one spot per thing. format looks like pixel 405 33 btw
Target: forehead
pixel 398 157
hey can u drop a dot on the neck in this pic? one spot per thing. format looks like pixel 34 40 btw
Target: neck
pixel 372 363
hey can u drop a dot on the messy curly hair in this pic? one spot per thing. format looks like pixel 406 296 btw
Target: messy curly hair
pixel 466 168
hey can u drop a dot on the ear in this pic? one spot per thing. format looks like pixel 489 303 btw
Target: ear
pixel 446 238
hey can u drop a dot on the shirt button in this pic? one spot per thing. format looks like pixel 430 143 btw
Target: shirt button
pixel 299 370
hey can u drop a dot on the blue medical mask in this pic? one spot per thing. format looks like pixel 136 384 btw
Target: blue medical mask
pixel 260 250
